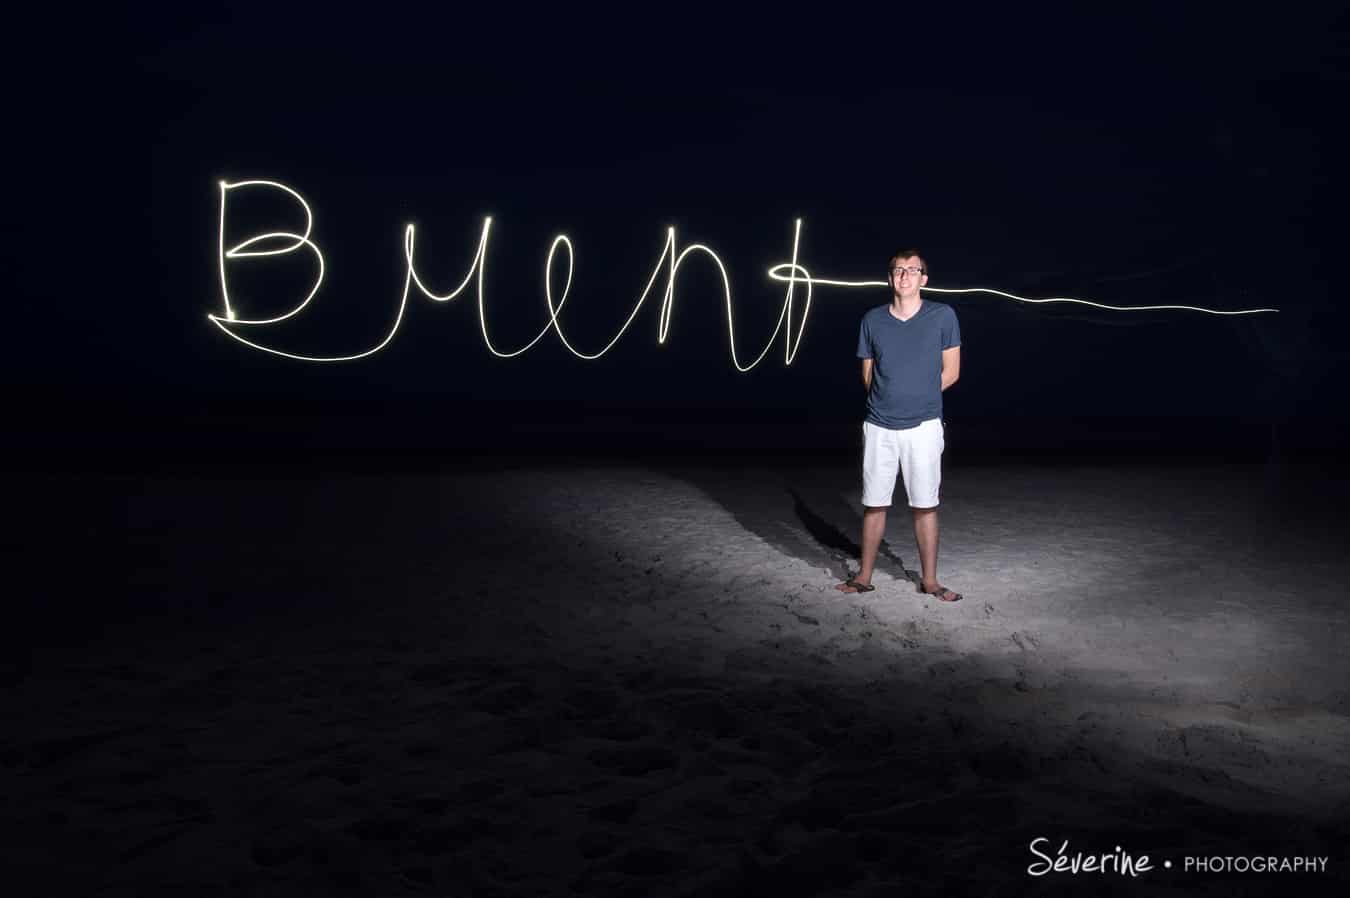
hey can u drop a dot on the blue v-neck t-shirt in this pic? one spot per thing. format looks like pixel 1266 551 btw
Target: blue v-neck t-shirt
pixel 907 363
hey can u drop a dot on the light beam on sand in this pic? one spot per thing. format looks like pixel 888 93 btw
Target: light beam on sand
pixel 278 243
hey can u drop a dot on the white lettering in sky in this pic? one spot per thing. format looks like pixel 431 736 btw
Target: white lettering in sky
pixel 668 264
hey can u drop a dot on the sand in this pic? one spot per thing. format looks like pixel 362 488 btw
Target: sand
pixel 557 678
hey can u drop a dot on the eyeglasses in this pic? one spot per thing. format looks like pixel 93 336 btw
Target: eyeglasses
pixel 911 270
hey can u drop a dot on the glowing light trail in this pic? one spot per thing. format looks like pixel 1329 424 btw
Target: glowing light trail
pixel 671 258
pixel 1084 302
pixel 1098 305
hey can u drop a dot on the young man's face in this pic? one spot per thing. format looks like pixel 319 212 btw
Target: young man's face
pixel 906 278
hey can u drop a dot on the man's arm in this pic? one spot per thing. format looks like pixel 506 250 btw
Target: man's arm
pixel 867 373
pixel 951 366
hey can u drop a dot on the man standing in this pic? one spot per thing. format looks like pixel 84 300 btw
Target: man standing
pixel 911 351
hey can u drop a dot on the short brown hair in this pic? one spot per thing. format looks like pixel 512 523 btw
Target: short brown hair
pixel 906 253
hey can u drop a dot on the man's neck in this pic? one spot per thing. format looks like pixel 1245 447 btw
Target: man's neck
pixel 905 307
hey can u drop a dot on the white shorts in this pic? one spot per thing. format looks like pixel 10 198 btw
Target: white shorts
pixel 915 451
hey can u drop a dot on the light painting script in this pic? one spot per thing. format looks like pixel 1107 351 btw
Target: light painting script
pixel 792 273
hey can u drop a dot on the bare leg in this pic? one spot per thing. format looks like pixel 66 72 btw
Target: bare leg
pixel 926 535
pixel 873 528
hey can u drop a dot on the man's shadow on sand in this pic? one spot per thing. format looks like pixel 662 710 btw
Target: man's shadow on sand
pixel 797 512
pixel 840 547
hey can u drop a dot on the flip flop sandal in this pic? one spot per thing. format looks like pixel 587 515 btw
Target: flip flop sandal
pixel 941 593
pixel 859 587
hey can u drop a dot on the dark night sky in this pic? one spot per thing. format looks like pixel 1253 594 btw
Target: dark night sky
pixel 1131 159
